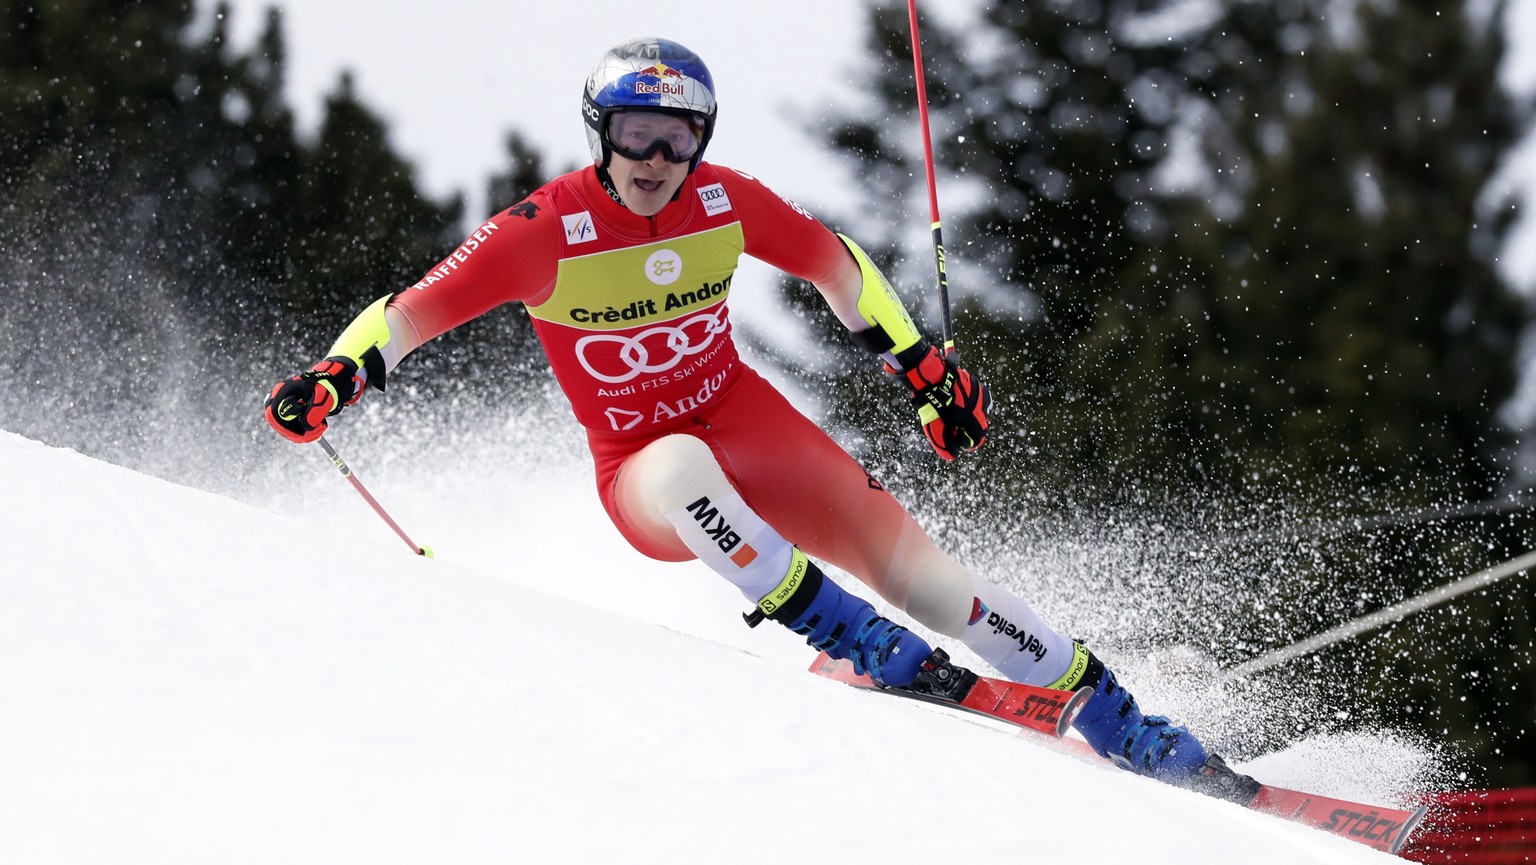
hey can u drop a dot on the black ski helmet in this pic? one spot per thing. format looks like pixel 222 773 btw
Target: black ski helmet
pixel 652 75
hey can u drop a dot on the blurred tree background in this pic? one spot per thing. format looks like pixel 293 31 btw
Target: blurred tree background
pixel 1229 268
pixel 1233 264
pixel 171 238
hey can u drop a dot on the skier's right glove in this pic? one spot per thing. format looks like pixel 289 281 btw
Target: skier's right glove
pixel 298 407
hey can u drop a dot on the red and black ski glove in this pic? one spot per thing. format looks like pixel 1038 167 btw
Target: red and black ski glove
pixel 298 407
pixel 951 403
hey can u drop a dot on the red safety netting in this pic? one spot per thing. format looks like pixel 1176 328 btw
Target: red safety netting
pixel 1478 827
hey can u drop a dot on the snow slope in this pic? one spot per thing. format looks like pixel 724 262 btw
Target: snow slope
pixel 185 678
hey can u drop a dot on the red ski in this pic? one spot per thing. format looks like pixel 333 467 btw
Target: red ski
pixel 1385 829
pixel 1041 710
pixel 1382 828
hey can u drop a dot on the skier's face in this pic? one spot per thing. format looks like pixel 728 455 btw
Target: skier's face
pixel 646 185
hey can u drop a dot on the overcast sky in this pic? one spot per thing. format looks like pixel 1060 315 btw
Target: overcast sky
pixel 453 81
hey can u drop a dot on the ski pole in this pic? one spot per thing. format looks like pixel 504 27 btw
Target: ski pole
pixel 933 192
pixel 346 472
pixel 1391 614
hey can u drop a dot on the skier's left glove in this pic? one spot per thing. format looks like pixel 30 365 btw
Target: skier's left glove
pixel 298 407
pixel 951 403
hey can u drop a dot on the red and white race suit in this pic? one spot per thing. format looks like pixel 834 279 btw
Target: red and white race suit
pixel 632 312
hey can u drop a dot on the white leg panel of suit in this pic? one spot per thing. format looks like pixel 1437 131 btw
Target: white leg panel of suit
pixel 674 491
pixel 674 486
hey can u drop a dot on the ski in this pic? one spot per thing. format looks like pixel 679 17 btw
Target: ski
pixel 1040 710
pixel 1383 828
pixel 1049 712
pixel 1386 829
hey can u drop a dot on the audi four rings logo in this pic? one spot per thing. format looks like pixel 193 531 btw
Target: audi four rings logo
pixel 653 350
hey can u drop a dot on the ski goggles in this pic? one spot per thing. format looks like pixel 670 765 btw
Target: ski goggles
pixel 639 134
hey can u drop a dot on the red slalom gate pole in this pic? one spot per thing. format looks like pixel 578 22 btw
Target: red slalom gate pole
pixel 346 472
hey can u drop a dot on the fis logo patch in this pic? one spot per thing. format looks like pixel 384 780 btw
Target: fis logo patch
pixel 978 611
pixel 579 227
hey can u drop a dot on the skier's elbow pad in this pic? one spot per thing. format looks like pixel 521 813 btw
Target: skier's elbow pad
pixel 891 330
pixel 362 340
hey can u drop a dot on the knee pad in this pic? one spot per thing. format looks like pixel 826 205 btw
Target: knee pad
pixel 673 471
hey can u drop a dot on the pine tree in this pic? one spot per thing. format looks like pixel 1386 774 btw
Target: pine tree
pixel 1238 251
pixel 1352 293
pixel 500 345
pixel 1225 246
pixel 392 235
pixel 525 172
pixel 171 244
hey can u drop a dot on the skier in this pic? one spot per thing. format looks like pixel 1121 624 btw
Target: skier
pixel 625 267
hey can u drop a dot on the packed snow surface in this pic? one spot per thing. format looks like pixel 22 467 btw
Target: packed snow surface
pixel 188 678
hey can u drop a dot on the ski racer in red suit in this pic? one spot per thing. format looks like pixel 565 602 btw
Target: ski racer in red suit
pixel 625 268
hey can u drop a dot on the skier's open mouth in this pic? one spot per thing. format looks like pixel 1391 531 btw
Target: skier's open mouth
pixel 648 185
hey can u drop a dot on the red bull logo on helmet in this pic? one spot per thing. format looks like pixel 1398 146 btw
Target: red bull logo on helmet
pixel 661 88
pixel 661 72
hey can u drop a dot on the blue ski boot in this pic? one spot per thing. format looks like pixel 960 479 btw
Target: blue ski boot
pixel 1148 745
pixel 843 625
